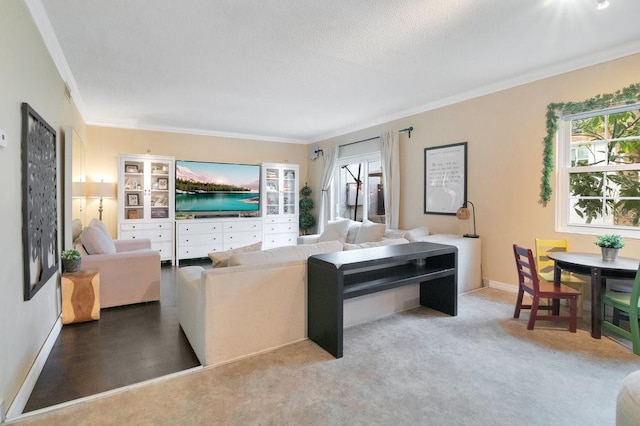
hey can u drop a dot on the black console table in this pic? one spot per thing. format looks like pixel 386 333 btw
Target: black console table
pixel 334 277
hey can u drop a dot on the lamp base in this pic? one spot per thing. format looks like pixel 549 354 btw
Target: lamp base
pixel 471 236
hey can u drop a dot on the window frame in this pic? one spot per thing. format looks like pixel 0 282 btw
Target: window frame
pixel 364 158
pixel 563 168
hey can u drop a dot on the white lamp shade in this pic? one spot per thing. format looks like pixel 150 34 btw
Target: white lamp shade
pixel 102 190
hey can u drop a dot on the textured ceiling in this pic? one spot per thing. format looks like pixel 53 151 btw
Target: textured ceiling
pixel 307 69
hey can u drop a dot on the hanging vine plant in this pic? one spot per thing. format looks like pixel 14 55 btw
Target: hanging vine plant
pixel 555 111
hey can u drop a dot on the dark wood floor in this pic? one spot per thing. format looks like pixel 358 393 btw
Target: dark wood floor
pixel 128 345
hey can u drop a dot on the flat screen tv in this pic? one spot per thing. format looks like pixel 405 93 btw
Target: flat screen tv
pixel 206 189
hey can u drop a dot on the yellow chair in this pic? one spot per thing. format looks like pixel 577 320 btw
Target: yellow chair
pixel 627 303
pixel 546 266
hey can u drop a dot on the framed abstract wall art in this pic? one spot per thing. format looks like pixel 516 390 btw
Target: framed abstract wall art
pixel 39 201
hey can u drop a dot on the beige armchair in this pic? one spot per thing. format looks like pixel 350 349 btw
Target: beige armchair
pixel 129 269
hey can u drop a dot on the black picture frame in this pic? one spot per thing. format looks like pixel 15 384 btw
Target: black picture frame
pixel 133 200
pixel 39 201
pixel 445 178
pixel 131 168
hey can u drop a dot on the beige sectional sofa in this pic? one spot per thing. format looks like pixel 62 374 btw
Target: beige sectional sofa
pixel 259 302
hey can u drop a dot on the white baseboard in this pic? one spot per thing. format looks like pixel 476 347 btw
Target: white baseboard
pixel 21 399
pixel 511 288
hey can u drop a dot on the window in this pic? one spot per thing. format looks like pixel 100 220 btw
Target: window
pixel 357 188
pixel 598 172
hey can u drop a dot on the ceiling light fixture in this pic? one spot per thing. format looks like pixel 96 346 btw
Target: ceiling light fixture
pixel 603 4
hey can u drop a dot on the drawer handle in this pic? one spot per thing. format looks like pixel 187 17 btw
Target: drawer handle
pixel 133 238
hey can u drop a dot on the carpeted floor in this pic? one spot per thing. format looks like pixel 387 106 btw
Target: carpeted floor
pixel 419 367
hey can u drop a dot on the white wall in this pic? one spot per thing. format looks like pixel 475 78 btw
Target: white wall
pixel 27 74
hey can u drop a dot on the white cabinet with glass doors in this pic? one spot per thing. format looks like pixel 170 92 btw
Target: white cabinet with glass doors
pixel 146 200
pixel 280 197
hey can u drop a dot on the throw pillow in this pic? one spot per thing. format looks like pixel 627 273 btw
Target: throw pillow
pixel 76 229
pixel 336 230
pixel 370 231
pixel 221 259
pixel 95 241
pixel 96 223
pixel 416 233
pixel 354 227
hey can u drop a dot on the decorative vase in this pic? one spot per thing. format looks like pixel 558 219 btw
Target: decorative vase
pixel 609 254
pixel 71 265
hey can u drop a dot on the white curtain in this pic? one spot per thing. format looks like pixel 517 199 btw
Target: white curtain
pixel 390 153
pixel 330 161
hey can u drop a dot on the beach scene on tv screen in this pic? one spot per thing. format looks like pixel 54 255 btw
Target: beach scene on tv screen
pixel 210 187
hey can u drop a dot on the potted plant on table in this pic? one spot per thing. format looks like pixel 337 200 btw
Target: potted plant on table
pixel 609 244
pixel 71 260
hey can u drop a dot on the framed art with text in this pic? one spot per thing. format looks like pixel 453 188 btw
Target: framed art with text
pixel 445 178
pixel 39 202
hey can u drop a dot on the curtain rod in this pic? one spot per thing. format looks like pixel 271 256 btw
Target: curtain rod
pixel 408 130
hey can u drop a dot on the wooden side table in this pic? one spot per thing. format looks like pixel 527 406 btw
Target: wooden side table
pixel 80 296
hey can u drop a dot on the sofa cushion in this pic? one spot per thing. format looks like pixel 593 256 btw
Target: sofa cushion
pixel 221 259
pixel 336 230
pixel 284 254
pixel 95 241
pixel 370 232
pixel 387 242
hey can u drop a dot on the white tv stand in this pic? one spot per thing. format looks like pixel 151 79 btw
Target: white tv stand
pixel 197 238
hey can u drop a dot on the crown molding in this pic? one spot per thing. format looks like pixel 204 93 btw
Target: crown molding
pixel 585 61
pixel 198 132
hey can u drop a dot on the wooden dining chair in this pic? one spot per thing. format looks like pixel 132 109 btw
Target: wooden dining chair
pixel 628 304
pixel 530 282
pixel 546 266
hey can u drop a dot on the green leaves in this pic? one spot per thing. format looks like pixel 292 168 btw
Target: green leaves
pixel 610 241
pixel 627 95
pixel 72 254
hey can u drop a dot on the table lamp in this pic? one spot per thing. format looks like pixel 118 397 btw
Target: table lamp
pixel 102 190
pixel 463 213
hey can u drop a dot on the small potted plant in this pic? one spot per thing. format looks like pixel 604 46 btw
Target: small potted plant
pixel 609 244
pixel 71 260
